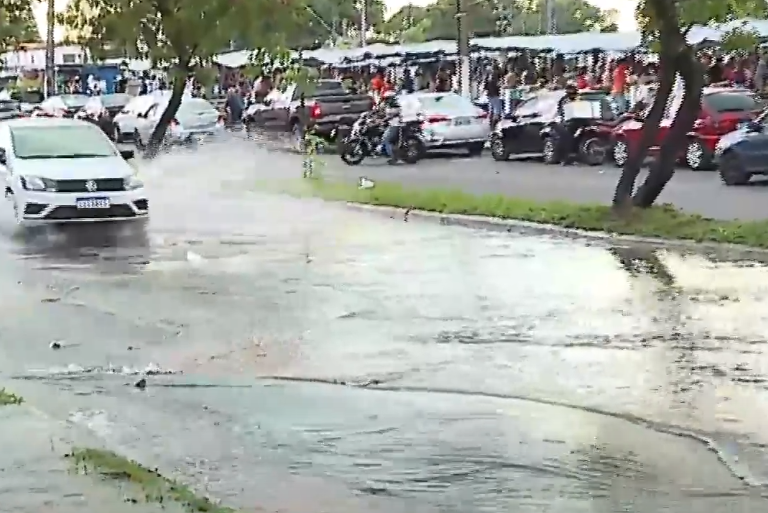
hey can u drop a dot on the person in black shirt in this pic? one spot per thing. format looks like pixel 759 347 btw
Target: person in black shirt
pixel 716 72
pixel 565 142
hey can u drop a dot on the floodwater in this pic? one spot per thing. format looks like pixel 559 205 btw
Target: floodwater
pixel 303 357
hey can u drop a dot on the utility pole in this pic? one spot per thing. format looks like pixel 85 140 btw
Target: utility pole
pixel 50 51
pixel 550 16
pixel 363 21
pixel 462 43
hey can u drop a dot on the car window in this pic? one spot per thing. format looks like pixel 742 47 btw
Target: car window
pixel 727 101
pixel 60 141
pixel 527 107
pixel 193 108
pixel 73 101
pixel 114 100
pixel 450 103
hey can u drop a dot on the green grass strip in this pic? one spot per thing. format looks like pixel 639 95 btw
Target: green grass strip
pixel 156 488
pixel 663 222
pixel 8 398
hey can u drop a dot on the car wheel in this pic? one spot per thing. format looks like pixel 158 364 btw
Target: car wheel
pixel 620 153
pixel 550 151
pixel 499 149
pixel 475 149
pixel 732 170
pixel 697 156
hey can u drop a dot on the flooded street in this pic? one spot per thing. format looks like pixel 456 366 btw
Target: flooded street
pixel 306 357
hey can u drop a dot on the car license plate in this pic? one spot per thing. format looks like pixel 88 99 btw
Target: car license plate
pixel 462 121
pixel 88 203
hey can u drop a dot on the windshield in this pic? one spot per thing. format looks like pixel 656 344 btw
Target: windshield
pixel 115 100
pixel 730 102
pixel 447 104
pixel 66 141
pixel 74 101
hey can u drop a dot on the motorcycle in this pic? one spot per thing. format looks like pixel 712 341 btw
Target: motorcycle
pixel 365 140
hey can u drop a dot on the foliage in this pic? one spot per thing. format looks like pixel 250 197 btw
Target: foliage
pixel 330 20
pixel 494 17
pixel 183 34
pixel 156 488
pixel 663 222
pixel 17 24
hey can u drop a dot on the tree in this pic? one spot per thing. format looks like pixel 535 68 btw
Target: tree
pixel 666 24
pixel 495 17
pixel 184 35
pixel 17 24
pixel 329 20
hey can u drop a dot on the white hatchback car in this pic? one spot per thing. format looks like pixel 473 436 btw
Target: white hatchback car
pixel 67 170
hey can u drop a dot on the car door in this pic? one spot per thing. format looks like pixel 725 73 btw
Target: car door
pixel 276 114
pixel 545 115
pixel 515 129
pixel 126 119
pixel 146 122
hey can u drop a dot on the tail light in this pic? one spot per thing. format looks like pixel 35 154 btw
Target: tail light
pixel 482 115
pixel 315 111
pixel 436 119
pixel 222 119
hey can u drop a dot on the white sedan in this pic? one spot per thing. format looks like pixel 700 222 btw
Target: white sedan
pixel 56 170
pixel 449 120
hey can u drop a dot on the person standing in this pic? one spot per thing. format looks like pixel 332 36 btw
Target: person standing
pixel 493 91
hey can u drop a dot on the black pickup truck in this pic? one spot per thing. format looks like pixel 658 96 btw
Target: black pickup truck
pixel 327 107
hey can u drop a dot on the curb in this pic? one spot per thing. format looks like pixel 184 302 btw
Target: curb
pixel 528 227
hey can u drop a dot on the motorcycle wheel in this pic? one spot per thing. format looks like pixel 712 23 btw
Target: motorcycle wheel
pixel 593 151
pixel 352 152
pixel 411 150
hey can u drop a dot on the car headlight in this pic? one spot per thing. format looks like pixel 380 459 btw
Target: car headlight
pixel 37 183
pixel 132 183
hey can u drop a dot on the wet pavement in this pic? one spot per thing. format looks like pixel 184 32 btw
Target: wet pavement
pixel 305 357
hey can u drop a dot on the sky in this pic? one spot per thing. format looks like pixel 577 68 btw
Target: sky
pixel 626 10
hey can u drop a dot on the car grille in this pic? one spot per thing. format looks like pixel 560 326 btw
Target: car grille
pixel 65 213
pixel 102 185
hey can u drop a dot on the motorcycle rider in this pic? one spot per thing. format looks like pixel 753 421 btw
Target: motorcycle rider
pixel 390 111
pixel 565 140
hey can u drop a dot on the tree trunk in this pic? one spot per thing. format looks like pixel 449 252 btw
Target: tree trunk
pixel 158 134
pixel 626 185
pixel 664 168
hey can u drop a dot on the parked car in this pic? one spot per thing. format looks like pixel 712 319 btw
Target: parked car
pixel 102 109
pixel 10 109
pixel 743 153
pixel 67 171
pixel 449 120
pixel 196 120
pixel 61 106
pixel 722 111
pixel 329 109
pixel 532 129
pixel 127 119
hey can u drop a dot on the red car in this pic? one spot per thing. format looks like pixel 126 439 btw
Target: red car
pixel 723 110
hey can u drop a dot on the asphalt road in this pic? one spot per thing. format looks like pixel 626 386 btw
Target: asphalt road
pixel 696 192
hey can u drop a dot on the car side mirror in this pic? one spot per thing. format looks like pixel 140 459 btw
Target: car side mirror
pixel 3 156
pixel 127 154
pixel 754 127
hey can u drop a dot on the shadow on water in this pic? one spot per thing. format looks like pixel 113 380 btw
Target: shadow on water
pixel 114 248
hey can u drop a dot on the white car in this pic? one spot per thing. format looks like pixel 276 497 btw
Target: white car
pixel 197 119
pixel 61 106
pixel 127 119
pixel 56 170
pixel 449 120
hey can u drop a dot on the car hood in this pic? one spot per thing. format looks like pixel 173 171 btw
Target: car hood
pixel 73 169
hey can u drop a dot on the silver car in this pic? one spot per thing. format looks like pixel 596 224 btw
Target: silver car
pixel 196 120
pixel 449 120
